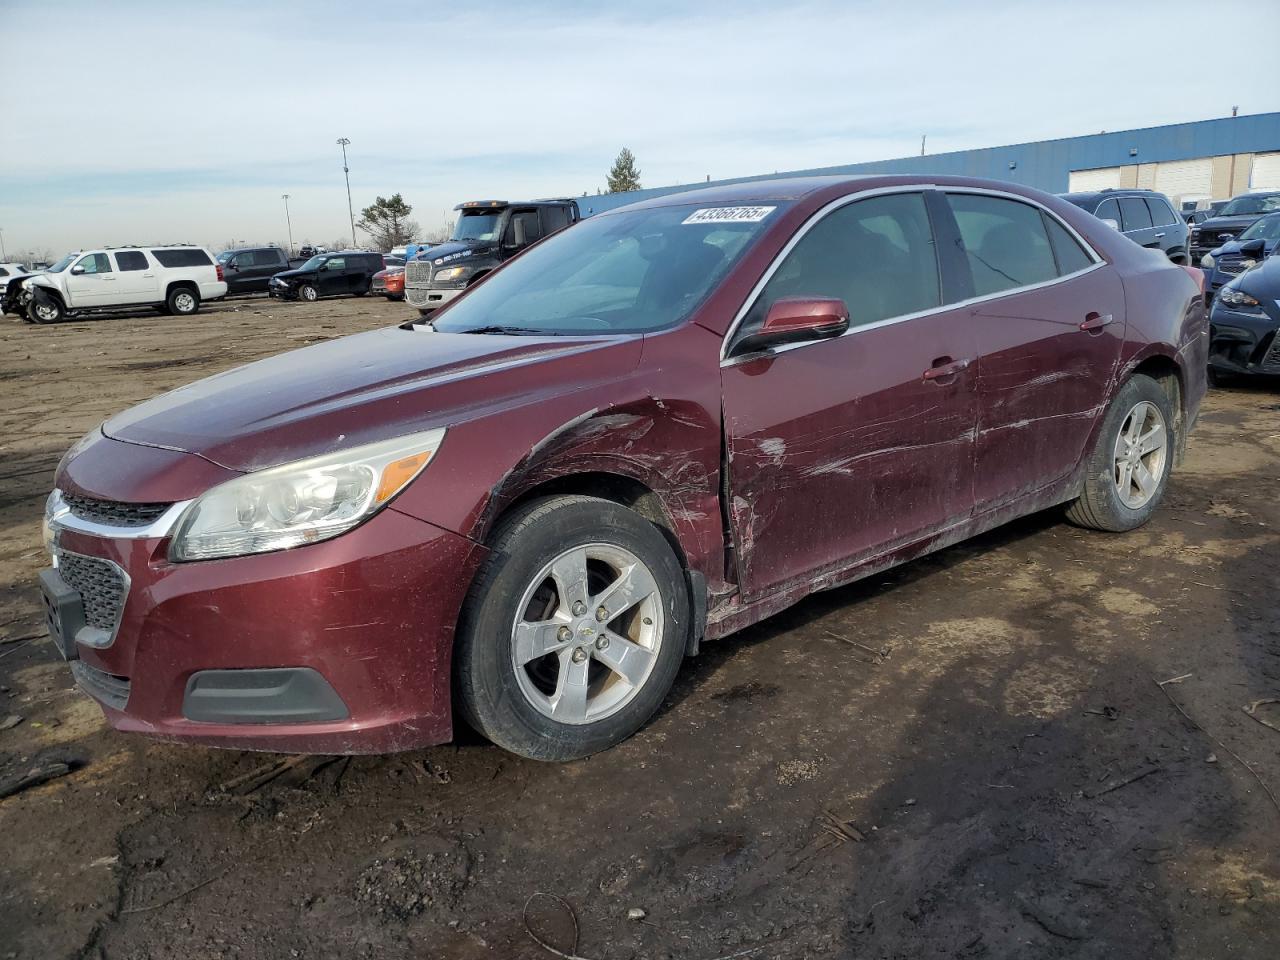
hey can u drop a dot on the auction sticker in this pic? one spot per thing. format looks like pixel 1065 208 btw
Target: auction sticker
pixel 729 215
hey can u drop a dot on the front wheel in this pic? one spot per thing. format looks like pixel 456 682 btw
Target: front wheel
pixel 1131 459
pixel 50 311
pixel 308 292
pixel 183 302
pixel 574 630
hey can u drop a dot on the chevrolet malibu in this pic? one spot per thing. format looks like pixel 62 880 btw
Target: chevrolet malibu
pixel 651 430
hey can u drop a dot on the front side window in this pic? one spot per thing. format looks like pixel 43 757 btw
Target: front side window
pixel 626 272
pixel 1134 214
pixel 336 263
pixel 553 219
pixel 1108 210
pixel 1005 242
pixel 877 255
pixel 127 260
pixel 94 263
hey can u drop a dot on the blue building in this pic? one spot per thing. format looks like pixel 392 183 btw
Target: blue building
pixel 1192 163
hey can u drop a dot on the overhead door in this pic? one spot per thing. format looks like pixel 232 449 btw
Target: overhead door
pixel 1266 172
pixel 1103 178
pixel 1184 178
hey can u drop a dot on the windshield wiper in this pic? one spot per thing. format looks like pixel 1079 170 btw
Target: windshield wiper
pixel 500 328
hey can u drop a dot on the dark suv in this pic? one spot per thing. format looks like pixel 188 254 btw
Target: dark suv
pixel 1232 220
pixel 328 275
pixel 249 269
pixel 1144 216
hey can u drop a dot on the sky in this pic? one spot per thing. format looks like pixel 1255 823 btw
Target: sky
pixel 141 122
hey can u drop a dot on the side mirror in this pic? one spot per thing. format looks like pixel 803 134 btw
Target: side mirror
pixel 77 270
pixel 795 320
pixel 1113 224
pixel 1253 247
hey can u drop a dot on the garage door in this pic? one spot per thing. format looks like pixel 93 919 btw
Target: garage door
pixel 1105 178
pixel 1265 174
pixel 1184 178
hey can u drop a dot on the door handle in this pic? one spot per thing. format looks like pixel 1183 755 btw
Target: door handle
pixel 944 367
pixel 149 276
pixel 1160 234
pixel 1094 322
pixel 108 279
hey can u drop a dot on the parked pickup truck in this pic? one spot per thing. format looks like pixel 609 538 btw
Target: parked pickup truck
pixel 487 233
pixel 174 279
pixel 250 269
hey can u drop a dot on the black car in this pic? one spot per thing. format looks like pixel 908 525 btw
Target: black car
pixel 250 269
pixel 328 275
pixel 1144 216
pixel 1244 325
pixel 1231 221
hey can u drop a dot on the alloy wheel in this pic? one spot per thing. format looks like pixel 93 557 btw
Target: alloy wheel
pixel 587 634
pixel 1141 455
pixel 184 303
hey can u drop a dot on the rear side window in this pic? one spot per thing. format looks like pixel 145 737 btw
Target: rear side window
pixel 524 228
pixel 1162 214
pixel 1066 249
pixel 335 263
pixel 877 255
pixel 131 260
pixel 1004 241
pixel 553 219
pixel 1108 210
pixel 188 257
pixel 1134 214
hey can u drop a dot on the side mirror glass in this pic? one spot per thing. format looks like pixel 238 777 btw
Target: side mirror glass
pixel 795 320
pixel 1113 224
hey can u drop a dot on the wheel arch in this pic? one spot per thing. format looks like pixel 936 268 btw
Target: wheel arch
pixel 1165 370
pixel 181 285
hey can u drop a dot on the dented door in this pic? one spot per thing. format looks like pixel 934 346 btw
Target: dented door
pixel 843 449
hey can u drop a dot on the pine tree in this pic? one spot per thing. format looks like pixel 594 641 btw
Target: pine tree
pixel 387 222
pixel 624 176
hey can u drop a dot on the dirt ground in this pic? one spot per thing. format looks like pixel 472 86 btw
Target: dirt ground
pixel 966 757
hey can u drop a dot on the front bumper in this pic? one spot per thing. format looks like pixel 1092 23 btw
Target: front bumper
pixel 281 291
pixel 337 647
pixel 429 298
pixel 1243 341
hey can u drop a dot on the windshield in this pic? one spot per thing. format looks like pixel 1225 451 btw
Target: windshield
pixel 617 273
pixel 315 263
pixel 1243 206
pixel 1268 228
pixel 477 225
pixel 62 264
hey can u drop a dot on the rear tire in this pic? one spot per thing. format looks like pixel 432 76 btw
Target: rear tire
pixel 573 631
pixel 1128 469
pixel 44 313
pixel 183 302
pixel 308 293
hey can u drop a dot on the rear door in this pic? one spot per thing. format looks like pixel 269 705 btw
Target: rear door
pixel 1048 322
pixel 839 450
pixel 136 277
pixel 1135 221
pixel 1169 233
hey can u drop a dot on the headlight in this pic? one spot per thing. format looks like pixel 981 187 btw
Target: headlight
pixel 300 503
pixel 1236 298
pixel 451 273
pixel 1207 261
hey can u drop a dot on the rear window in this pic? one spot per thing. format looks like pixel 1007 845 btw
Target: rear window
pixel 189 257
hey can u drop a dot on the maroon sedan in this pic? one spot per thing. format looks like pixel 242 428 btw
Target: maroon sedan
pixel 657 427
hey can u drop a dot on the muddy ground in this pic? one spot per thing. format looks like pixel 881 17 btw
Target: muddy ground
pixel 936 763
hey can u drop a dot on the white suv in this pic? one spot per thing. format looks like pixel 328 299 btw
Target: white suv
pixel 175 278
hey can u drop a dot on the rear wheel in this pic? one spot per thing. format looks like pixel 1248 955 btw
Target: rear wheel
pixel 308 292
pixel 1129 466
pixel 183 302
pixel 574 630
pixel 50 311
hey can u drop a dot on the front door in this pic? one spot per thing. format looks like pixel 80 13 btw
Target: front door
pixel 333 277
pixel 92 283
pixel 1048 340
pixel 840 450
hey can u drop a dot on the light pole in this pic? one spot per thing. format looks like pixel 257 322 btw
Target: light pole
pixel 346 172
pixel 3 255
pixel 288 222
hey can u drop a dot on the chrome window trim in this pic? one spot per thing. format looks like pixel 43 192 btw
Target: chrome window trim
pixel 60 517
pixel 89 635
pixel 1097 261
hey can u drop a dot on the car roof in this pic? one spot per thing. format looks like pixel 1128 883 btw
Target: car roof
pixel 1079 195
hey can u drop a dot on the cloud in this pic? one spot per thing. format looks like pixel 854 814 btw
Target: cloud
pixel 204 114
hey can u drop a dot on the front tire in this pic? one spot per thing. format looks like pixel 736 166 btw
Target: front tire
pixel 50 312
pixel 308 293
pixel 183 302
pixel 1128 469
pixel 574 630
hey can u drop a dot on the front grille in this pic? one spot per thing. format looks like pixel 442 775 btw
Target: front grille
pixel 101 586
pixel 113 512
pixel 1271 362
pixel 417 271
pixel 107 687
pixel 379 283
pixel 1233 266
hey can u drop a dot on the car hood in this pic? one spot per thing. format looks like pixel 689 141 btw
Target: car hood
pixel 1263 281
pixel 365 388
pixel 295 274
pixel 1230 223
pixel 1233 246
pixel 455 251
